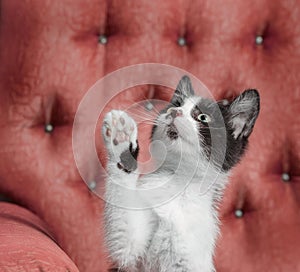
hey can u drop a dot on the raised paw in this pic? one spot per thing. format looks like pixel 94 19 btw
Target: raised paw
pixel 120 134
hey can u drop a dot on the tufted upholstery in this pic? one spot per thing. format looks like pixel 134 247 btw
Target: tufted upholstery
pixel 51 52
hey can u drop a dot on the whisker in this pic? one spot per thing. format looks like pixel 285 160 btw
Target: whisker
pixel 157 111
pixel 140 109
pixel 140 114
pixel 154 108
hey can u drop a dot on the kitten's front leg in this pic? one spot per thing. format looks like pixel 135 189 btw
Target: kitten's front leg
pixel 127 231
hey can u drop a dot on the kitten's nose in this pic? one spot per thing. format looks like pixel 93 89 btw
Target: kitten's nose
pixel 175 112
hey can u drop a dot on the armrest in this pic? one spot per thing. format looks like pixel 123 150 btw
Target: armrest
pixel 26 245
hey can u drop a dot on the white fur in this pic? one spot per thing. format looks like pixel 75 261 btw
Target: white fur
pixel 176 225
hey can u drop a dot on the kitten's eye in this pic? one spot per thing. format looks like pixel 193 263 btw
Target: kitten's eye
pixel 204 118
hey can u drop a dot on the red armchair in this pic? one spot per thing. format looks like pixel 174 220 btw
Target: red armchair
pixel 51 52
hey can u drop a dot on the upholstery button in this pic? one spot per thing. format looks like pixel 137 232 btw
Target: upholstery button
pixel 149 106
pixel 92 185
pixel 49 128
pixel 239 213
pixel 225 102
pixel 181 41
pixel 285 177
pixel 103 39
pixel 259 40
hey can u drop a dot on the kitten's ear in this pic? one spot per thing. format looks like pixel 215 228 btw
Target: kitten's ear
pixel 184 89
pixel 244 111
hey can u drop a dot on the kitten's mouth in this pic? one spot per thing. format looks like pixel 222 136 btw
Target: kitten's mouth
pixel 172 131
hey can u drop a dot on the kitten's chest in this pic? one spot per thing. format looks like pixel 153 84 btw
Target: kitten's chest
pixel 182 211
pixel 184 224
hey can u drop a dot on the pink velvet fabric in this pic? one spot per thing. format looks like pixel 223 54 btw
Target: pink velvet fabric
pixel 26 245
pixel 50 56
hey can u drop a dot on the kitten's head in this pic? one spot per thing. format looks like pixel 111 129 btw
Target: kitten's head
pixel 219 132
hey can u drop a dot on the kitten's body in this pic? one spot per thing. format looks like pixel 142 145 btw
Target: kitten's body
pixel 179 234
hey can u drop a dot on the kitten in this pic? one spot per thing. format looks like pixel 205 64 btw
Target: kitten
pixel 175 225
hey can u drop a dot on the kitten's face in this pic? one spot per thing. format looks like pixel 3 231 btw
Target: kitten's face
pixel 214 131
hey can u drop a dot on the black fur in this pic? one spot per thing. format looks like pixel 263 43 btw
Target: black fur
pixel 183 90
pixel 221 117
pixel 172 132
pixel 128 158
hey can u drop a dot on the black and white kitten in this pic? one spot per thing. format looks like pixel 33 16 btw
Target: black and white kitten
pixel 175 225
